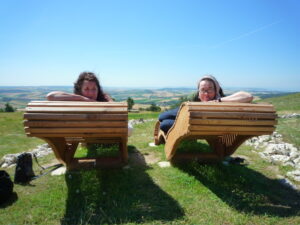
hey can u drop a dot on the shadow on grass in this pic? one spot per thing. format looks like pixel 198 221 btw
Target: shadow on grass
pixel 11 200
pixel 245 189
pixel 193 146
pixel 117 196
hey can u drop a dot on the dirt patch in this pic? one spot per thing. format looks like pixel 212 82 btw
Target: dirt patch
pixel 138 159
pixel 274 169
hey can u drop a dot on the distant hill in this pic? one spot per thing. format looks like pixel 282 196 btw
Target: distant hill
pixel 290 102
pixel 18 96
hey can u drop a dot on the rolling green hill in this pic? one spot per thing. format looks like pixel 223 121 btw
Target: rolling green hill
pixel 18 97
pixel 289 102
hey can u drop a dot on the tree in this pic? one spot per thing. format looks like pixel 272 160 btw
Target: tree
pixel 8 108
pixel 154 108
pixel 181 100
pixel 130 103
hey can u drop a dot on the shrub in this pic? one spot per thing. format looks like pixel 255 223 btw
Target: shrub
pixel 8 108
pixel 130 103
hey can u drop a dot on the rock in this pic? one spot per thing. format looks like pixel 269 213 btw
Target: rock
pixel 297 161
pixel 289 163
pixel 274 150
pixel 287 116
pixel 139 121
pixel 286 182
pixel 126 167
pixel 295 175
pixel 164 164
pixel 9 159
pixel 40 151
pixel 4 165
pixel 59 171
pixel 152 144
pixel 277 159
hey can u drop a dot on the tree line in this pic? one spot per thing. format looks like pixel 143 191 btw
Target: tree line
pixel 153 107
pixel 7 108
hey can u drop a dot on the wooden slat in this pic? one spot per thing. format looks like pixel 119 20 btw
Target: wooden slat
pixel 75 135
pixel 228 104
pixel 75 103
pixel 237 122
pixel 72 116
pixel 230 128
pixel 240 115
pixel 74 130
pixel 76 109
pixel 225 108
pixel 226 132
pixel 60 124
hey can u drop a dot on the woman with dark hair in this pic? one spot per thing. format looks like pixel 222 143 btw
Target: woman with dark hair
pixel 86 88
pixel 209 90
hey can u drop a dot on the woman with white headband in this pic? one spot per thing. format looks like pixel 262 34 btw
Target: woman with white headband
pixel 209 90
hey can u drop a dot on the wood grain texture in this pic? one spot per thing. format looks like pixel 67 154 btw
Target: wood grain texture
pixel 63 124
pixel 225 126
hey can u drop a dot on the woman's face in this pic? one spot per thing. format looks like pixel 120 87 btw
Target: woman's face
pixel 89 89
pixel 207 91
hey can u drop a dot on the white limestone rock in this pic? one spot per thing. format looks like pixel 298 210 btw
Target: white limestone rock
pixel 164 164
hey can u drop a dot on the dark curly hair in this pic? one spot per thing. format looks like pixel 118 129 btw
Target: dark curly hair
pixel 89 76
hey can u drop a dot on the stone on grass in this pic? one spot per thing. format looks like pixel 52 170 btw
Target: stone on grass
pixel 59 171
pixel 294 175
pixel 164 164
pixel 152 144
pixel 126 167
pixel 286 182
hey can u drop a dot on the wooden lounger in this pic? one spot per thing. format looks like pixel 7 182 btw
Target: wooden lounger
pixel 63 124
pixel 225 126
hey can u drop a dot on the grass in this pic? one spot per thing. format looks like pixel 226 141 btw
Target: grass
pixel 142 193
pixel 193 146
pixel 97 150
pixel 12 136
pixel 286 103
pixel 290 128
pixel 143 115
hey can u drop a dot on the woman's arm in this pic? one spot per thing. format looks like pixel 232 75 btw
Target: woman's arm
pixel 63 96
pixel 108 98
pixel 241 96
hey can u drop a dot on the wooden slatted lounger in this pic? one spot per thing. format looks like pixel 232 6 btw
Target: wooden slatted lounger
pixel 63 124
pixel 225 126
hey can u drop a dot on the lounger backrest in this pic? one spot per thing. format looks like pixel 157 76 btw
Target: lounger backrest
pixel 231 118
pixel 75 119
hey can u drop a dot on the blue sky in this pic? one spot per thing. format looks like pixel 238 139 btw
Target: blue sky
pixel 244 43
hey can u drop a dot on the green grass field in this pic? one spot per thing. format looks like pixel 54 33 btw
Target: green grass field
pixel 286 103
pixel 144 193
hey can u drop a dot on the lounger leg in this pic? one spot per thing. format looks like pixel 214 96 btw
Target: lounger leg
pixel 123 148
pixel 240 139
pixel 217 146
pixel 156 131
pixel 59 147
pixel 171 147
pixel 159 135
pixel 71 149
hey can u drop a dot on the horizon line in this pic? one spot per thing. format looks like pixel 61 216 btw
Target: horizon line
pixel 162 87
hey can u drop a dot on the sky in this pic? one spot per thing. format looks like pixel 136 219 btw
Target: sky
pixel 151 43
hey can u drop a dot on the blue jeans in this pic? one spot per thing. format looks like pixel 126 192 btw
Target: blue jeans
pixel 167 119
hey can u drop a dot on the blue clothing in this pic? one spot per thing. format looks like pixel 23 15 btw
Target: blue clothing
pixel 167 119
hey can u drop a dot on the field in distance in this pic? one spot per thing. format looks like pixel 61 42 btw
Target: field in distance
pixel 19 96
